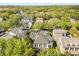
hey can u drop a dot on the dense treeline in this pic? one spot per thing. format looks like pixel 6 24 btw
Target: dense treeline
pixel 49 13
pixel 54 17
pixel 16 47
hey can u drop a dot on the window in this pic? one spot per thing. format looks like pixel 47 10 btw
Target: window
pixel 73 44
pixel 68 44
pixel 36 45
pixel 49 46
pixel 64 34
pixel 45 45
pixel 27 26
pixel 71 48
pixel 76 49
pixel 26 23
pixel 40 45
pixel 66 48
pixel 77 44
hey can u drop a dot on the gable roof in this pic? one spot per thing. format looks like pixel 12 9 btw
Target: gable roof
pixel 41 37
pixel 7 36
pixel 26 22
pixel 59 31
pixel 39 18
pixel 27 19
pixel 65 39
pixel 19 32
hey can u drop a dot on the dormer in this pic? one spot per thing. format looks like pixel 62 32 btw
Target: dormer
pixel 39 19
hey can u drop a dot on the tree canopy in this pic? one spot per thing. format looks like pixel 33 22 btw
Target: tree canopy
pixel 16 47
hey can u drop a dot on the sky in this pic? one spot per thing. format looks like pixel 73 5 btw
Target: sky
pixel 37 2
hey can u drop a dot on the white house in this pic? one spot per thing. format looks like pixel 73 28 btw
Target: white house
pixel 65 43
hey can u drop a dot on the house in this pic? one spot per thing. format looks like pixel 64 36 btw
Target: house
pixel 41 39
pixel 1 31
pixel 19 12
pixel 18 32
pixel 26 22
pixel 73 20
pixel 66 43
pixel 7 35
pixel 39 19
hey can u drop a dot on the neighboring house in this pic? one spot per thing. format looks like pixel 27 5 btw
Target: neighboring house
pixel 41 39
pixel 7 35
pixel 1 19
pixel 26 22
pixel 19 13
pixel 65 43
pixel 73 20
pixel 39 19
pixel 1 31
pixel 18 32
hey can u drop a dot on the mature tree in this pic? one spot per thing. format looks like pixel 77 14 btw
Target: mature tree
pixel 65 24
pixel 67 54
pixel 5 24
pixel 53 23
pixel 50 52
pixel 5 15
pixel 37 25
pixel 76 25
pixel 44 25
pixel 74 32
pixel 12 21
pixel 53 52
pixel 2 47
pixel 16 47
pixel 42 53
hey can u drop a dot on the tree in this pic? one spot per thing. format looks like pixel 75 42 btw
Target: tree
pixel 67 54
pixel 6 25
pixel 50 52
pixel 14 19
pixel 16 47
pixel 74 32
pixel 2 47
pixel 76 25
pixel 37 25
pixel 5 15
pixel 9 23
pixel 65 24
pixel 53 23
pixel 42 53
pixel 53 52
pixel 44 25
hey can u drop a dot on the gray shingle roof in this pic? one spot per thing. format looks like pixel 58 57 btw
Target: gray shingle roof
pixel 59 31
pixel 26 22
pixel 19 32
pixel 27 19
pixel 7 36
pixel 65 39
pixel 1 31
pixel 41 37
